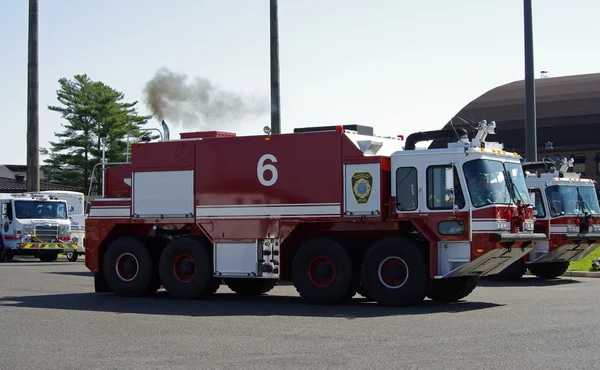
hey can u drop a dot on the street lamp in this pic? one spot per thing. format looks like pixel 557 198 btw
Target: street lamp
pixel 145 139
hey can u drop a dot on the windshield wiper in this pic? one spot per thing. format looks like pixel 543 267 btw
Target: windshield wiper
pixel 582 205
pixel 512 187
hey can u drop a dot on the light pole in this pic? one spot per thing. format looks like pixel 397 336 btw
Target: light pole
pixel 530 119
pixel 137 129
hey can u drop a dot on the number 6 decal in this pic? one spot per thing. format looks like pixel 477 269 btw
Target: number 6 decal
pixel 261 168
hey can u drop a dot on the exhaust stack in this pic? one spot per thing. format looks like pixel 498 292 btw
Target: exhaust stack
pixel 165 131
pixel 444 134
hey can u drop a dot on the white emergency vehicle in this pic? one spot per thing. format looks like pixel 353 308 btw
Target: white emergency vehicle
pixel 76 204
pixel 34 224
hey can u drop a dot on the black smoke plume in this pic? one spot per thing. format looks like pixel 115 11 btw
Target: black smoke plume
pixel 198 103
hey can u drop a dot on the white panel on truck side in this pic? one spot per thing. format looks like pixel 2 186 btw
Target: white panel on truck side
pixel 236 259
pixel 163 194
pixel 362 190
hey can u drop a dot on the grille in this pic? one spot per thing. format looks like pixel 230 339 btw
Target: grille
pixel 46 233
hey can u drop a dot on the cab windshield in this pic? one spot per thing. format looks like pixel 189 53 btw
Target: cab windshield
pixel 494 182
pixel 28 209
pixel 572 200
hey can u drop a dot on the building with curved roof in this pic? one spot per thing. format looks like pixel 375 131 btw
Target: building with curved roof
pixel 567 118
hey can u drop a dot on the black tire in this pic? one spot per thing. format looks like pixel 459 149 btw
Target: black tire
pixel 251 287
pixel 409 276
pixel 128 267
pixel 513 272
pixel 548 270
pixel 7 255
pixel 72 256
pixel 100 285
pixel 325 257
pixel 185 269
pixel 47 256
pixel 452 289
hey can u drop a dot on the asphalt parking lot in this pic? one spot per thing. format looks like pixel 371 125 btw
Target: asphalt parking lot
pixel 50 318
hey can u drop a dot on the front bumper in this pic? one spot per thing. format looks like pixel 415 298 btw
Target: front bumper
pixel 66 247
pixel 583 245
pixel 492 262
pixel 518 237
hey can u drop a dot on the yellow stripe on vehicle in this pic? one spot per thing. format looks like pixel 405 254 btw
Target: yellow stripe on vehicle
pixel 49 246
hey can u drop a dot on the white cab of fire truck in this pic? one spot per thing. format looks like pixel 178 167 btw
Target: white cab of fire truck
pixel 433 182
pixel 34 224
pixel 562 200
pixel 76 204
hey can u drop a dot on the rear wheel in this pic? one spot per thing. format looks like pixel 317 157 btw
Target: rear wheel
pixel 394 272
pixel 452 289
pixel 511 273
pixel 251 287
pixel 128 267
pixel 548 270
pixel 186 269
pixel 322 272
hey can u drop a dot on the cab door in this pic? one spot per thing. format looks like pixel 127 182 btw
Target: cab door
pixel 446 201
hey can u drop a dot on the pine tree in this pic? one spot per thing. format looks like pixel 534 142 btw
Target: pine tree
pixel 90 109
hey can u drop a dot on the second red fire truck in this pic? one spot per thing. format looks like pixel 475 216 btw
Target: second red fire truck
pixel 566 211
pixel 334 211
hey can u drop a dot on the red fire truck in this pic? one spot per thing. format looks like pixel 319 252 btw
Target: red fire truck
pixel 334 210
pixel 566 206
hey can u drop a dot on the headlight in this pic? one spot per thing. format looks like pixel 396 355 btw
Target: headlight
pixel 75 239
pixel 572 228
pixel 28 229
pixel 502 225
pixel 529 225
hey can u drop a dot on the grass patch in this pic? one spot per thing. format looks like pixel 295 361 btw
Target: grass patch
pixel 586 263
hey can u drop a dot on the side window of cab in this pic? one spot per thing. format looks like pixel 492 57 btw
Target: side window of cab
pixel 443 188
pixel 539 209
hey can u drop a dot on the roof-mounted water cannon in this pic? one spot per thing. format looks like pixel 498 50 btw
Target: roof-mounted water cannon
pixel 565 165
pixel 483 130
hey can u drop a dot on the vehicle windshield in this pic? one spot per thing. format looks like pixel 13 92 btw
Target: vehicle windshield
pixel 28 209
pixel 572 200
pixel 493 182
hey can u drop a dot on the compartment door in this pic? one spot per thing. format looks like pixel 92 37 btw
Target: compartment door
pixel 362 189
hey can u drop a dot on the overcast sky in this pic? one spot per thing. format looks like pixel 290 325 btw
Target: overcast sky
pixel 397 65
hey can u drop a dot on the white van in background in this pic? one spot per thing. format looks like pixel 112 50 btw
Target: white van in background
pixel 76 204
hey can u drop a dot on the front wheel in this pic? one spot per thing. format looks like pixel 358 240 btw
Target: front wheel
pixel 72 256
pixel 46 256
pixel 452 289
pixel 394 272
pixel 513 272
pixel 548 270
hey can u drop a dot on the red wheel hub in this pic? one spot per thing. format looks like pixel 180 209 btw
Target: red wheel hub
pixel 321 271
pixel 184 268
pixel 126 267
pixel 393 272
